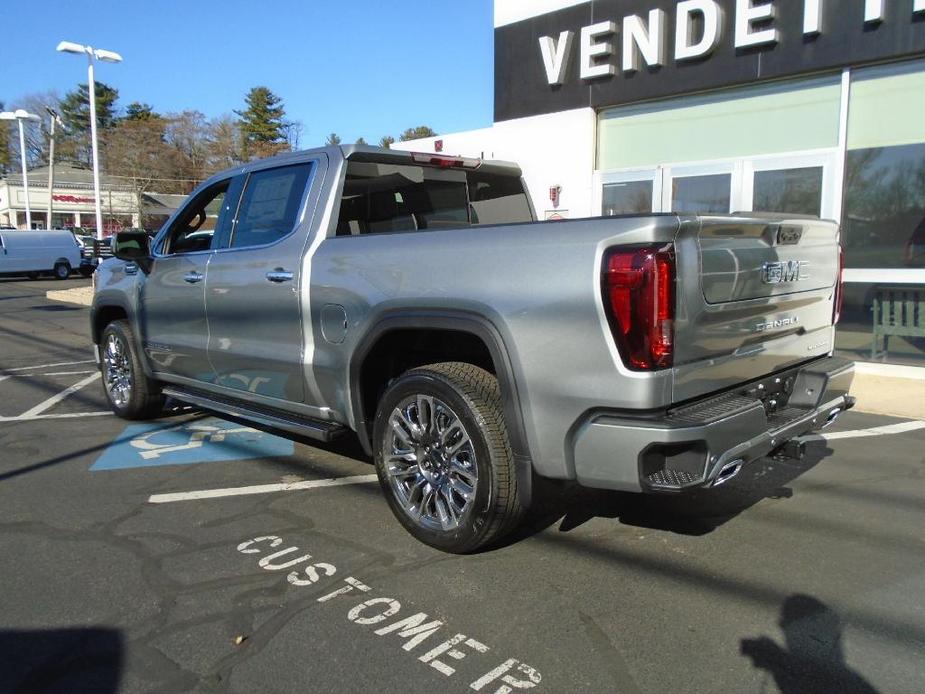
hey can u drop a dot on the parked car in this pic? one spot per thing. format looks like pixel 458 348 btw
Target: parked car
pixel 412 299
pixel 33 253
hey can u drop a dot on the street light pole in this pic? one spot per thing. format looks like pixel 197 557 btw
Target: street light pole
pixel 25 173
pixel 21 115
pixel 96 159
pixel 107 57
pixel 51 162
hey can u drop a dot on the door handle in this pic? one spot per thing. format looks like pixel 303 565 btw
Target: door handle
pixel 193 277
pixel 279 275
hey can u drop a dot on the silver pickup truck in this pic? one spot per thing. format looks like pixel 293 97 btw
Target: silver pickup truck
pixel 413 300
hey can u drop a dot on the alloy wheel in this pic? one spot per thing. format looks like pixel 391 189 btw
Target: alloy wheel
pixel 117 370
pixel 430 462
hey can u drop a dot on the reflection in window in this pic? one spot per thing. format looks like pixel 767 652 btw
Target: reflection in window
pixel 883 321
pixel 792 191
pixel 270 205
pixel 884 219
pixel 632 197
pixel 701 194
pixel 194 229
pixel 379 198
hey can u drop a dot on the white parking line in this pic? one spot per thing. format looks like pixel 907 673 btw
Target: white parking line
pixel 886 430
pixel 260 489
pixel 69 415
pixel 50 373
pixel 48 366
pixel 55 399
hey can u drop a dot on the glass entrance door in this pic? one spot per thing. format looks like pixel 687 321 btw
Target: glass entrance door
pixel 700 189
pixel 799 184
pixel 631 192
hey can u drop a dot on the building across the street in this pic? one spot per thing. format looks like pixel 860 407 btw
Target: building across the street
pixel 73 201
pixel 798 106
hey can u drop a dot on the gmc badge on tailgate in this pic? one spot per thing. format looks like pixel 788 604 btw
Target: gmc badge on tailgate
pixel 783 272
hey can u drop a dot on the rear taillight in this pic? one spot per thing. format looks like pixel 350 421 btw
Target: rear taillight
pixel 639 294
pixel 839 287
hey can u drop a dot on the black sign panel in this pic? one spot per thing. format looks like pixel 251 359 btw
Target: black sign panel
pixel 522 87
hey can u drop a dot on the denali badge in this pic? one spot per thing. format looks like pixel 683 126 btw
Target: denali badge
pixel 781 272
pixel 779 323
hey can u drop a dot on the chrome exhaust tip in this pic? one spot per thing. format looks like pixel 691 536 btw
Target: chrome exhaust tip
pixel 831 417
pixel 728 471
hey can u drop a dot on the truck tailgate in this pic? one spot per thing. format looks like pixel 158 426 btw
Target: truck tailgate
pixel 755 295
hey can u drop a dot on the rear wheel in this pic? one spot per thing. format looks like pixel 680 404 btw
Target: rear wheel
pixel 131 394
pixel 443 457
pixel 62 270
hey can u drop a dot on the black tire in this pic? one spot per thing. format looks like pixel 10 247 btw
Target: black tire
pixel 62 270
pixel 474 397
pixel 85 271
pixel 143 400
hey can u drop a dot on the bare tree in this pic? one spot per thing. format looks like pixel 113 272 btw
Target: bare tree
pixel 136 150
pixel 223 143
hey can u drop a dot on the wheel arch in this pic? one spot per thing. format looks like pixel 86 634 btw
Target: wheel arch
pixel 103 315
pixel 428 321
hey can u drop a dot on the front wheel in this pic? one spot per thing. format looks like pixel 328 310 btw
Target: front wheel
pixel 131 394
pixel 443 457
pixel 62 270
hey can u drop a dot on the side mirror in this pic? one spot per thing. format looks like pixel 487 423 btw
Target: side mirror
pixel 133 247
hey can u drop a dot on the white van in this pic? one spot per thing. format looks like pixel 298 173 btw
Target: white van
pixel 34 252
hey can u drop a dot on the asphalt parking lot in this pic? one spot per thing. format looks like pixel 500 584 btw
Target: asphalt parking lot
pixel 199 554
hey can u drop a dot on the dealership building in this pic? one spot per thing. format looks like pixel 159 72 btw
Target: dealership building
pixel 73 201
pixel 715 106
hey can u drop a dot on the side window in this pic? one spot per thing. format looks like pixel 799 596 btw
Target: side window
pixel 194 230
pixel 270 205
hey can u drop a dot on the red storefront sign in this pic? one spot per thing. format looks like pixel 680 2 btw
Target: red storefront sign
pixel 72 198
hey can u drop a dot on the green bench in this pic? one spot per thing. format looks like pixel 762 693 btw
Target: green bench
pixel 898 310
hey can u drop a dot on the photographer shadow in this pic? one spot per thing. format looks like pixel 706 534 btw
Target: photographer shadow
pixel 812 658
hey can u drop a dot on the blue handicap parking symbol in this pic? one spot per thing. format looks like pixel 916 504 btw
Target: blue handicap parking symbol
pixel 197 441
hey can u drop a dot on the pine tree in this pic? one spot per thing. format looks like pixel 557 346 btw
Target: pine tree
pixel 140 111
pixel 386 141
pixel 75 112
pixel 263 130
pixel 417 133
pixel 333 139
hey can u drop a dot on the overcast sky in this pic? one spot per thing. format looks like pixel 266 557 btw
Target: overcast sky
pixel 356 67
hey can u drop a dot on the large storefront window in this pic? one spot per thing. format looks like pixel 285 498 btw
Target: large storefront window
pixel 797 191
pixel 883 223
pixel 770 148
pixel 767 119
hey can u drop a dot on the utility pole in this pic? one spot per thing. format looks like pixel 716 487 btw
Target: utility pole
pixel 55 118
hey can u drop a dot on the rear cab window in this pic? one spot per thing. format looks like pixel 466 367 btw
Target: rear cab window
pixel 383 197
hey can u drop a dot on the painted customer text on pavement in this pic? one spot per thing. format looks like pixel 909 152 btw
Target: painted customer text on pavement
pixel 417 628
pixel 199 441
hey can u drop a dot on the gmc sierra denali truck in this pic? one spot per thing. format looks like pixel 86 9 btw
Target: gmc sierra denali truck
pixel 412 299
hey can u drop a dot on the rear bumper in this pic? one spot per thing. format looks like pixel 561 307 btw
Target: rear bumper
pixel 697 444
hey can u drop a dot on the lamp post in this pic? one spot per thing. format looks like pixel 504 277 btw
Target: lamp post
pixel 55 118
pixel 107 57
pixel 20 115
